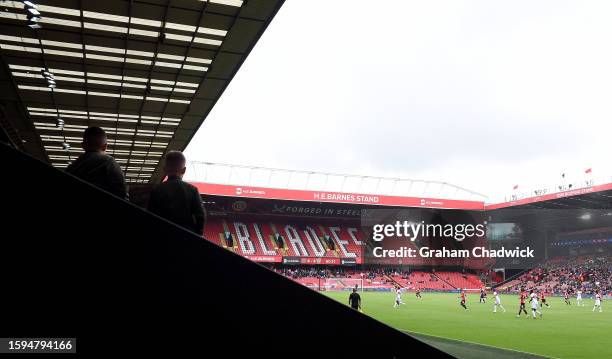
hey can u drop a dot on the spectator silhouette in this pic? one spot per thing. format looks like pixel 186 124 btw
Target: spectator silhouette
pixel 96 167
pixel 176 200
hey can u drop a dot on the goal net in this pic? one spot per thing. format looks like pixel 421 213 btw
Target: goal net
pixel 340 283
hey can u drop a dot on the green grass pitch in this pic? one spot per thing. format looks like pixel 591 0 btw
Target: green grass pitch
pixel 563 332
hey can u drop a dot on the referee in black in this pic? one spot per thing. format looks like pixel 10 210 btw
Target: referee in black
pixel 355 300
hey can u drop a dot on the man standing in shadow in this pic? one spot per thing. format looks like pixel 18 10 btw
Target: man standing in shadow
pixel 175 199
pixel 96 167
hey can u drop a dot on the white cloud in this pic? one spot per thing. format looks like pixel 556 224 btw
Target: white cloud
pixel 480 94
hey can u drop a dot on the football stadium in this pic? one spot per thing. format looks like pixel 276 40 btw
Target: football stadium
pixel 316 239
pixel 98 258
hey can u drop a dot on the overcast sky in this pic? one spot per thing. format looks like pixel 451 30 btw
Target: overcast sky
pixel 482 94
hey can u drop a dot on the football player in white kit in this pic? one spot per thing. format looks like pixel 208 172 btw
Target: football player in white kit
pixel 497 302
pixel 579 298
pixel 597 301
pixel 534 304
pixel 398 298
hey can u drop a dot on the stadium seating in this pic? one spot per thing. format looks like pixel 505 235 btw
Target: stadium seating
pixel 461 280
pixel 299 239
pixel 515 283
pixel 422 280
pixel 212 232
pixel 344 234
pixel 295 237
pixel 560 274
pixel 337 278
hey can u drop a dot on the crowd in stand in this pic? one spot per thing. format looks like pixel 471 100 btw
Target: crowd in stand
pixel 333 277
pixel 302 272
pixel 565 274
pixel 557 276
pixel 338 272
pixel 333 272
pixel 406 276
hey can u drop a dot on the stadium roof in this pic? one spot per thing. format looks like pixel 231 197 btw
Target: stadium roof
pixel 588 197
pixel 283 184
pixel 219 173
pixel 274 183
pixel 147 71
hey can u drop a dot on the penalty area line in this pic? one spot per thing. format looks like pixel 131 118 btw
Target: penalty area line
pixel 481 344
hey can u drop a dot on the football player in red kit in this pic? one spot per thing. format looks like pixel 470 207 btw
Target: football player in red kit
pixel 543 300
pixel 463 299
pixel 523 297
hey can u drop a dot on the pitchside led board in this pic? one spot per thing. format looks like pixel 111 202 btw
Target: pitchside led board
pixel 506 238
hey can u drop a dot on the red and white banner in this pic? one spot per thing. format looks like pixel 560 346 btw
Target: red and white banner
pixel 269 259
pixel 304 260
pixel 320 260
pixel 334 197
